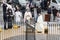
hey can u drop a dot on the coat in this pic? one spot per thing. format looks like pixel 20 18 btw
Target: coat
pixel 39 25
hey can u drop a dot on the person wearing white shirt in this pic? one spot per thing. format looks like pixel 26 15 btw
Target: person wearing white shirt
pixel 40 21
pixel 27 15
pixel 18 17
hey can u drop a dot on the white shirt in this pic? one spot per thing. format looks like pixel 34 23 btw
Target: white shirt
pixel 40 19
pixel 18 16
pixel 27 16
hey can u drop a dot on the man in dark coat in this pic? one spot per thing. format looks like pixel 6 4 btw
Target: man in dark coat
pixel 4 15
pixel 54 10
pixel 9 18
pixel 44 4
pixel 49 11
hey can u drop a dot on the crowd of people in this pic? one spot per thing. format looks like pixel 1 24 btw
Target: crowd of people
pixel 55 13
pixel 14 14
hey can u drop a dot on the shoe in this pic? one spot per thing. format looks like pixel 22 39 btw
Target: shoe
pixel 18 26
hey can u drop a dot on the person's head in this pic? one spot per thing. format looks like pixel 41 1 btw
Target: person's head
pixel 39 14
pixel 27 8
pixel 17 8
pixel 53 7
pixel 9 10
pixel 27 4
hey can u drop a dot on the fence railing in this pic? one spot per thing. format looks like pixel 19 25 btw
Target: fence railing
pixel 53 27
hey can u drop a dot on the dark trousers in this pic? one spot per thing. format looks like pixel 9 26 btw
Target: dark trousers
pixel 5 20
pixel 9 22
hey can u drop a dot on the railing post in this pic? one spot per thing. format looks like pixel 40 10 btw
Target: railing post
pixel 0 34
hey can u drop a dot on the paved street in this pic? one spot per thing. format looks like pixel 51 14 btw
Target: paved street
pixel 37 37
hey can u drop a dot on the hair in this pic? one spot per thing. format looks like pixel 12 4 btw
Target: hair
pixel 17 9
pixel 9 10
pixel 8 1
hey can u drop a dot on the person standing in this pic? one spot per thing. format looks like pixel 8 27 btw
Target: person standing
pixel 4 14
pixel 58 17
pixel 6 6
pixel 18 17
pixel 54 11
pixel 9 18
pixel 39 25
pixel 27 15
pixel 35 14
pixel 49 12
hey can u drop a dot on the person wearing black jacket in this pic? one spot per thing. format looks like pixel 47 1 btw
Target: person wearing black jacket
pixel 44 4
pixel 4 15
pixel 49 12
pixel 9 18
pixel 38 10
pixel 54 11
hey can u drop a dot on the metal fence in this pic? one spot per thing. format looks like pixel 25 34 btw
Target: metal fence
pixel 14 33
pixel 20 34
pixel 53 28
pixel 53 31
